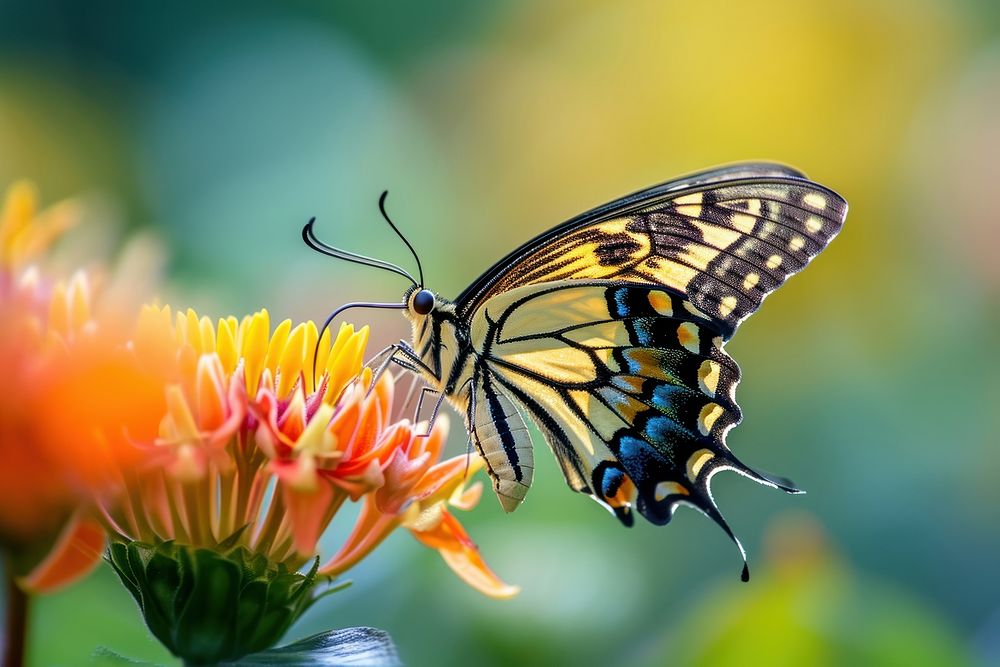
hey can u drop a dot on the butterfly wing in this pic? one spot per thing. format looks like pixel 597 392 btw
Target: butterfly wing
pixel 631 389
pixel 608 333
pixel 724 238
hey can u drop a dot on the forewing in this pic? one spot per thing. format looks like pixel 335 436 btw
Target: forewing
pixel 724 239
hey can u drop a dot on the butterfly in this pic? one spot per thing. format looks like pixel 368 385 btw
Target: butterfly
pixel 608 333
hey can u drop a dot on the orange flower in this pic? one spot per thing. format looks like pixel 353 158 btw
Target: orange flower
pixel 206 449
pixel 244 414
pixel 62 408
pixel 416 495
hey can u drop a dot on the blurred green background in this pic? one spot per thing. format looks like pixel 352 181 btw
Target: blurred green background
pixel 872 379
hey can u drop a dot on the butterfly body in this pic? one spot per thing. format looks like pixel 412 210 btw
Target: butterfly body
pixel 453 366
pixel 608 333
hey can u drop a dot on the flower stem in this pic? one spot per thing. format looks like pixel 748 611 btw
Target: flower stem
pixel 16 620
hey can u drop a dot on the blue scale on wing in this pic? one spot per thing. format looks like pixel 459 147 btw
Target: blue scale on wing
pixel 657 397
pixel 675 417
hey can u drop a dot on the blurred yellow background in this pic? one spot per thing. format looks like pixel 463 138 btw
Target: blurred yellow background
pixel 872 380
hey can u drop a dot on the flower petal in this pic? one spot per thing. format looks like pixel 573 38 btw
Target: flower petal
pixel 369 530
pixel 307 510
pixel 77 551
pixel 467 499
pixel 462 556
pixel 356 485
pixel 445 478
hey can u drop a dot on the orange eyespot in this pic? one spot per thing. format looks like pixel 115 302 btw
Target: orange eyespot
pixel 423 302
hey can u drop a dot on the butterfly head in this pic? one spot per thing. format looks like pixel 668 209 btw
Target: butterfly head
pixel 421 304
pixel 417 302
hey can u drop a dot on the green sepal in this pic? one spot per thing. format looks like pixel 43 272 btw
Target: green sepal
pixel 230 542
pixel 207 606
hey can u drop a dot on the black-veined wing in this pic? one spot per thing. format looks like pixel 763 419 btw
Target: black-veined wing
pixel 724 238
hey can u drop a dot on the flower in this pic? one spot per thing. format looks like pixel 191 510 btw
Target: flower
pixel 416 495
pixel 37 320
pixel 62 409
pixel 253 458
pixel 214 454
pixel 243 412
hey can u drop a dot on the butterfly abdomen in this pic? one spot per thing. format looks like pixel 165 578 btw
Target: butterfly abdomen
pixel 501 436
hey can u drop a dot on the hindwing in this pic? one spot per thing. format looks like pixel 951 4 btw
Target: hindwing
pixel 629 384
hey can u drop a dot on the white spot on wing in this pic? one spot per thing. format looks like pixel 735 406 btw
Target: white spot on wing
pixel 708 377
pixel 687 336
pixel 697 461
pixel 815 200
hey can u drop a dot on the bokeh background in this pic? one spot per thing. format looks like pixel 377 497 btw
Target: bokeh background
pixel 872 379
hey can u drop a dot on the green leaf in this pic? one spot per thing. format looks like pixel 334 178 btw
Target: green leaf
pixel 257 564
pixel 159 620
pixel 105 657
pixel 272 626
pixel 304 585
pixel 350 646
pixel 186 569
pixel 252 606
pixel 118 558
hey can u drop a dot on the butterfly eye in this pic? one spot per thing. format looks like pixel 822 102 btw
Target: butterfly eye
pixel 423 302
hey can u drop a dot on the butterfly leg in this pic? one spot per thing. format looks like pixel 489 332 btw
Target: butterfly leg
pixel 368 364
pixel 406 357
pixel 402 355
pixel 385 358
pixel 420 402
pixel 434 413
pixel 380 354
pixel 471 444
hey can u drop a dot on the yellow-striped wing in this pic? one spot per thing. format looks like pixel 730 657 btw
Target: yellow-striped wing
pixel 631 389
pixel 725 239
pixel 608 332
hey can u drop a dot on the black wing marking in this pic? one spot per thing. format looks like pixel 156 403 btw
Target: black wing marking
pixel 724 238
pixel 633 392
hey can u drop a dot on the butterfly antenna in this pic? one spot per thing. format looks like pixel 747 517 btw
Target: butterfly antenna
pixel 310 239
pixel 381 207
pixel 338 311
